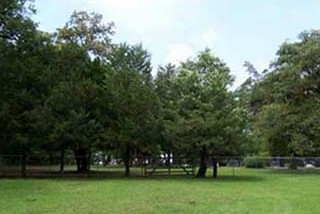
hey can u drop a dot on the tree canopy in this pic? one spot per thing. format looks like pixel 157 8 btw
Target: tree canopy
pixel 75 90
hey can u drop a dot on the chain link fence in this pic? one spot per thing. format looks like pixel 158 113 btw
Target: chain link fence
pixel 97 165
pixel 108 166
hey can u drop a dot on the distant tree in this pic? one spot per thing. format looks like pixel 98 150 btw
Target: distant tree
pixel 289 94
pixel 249 99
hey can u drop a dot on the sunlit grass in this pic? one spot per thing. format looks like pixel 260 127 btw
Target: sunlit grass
pixel 238 190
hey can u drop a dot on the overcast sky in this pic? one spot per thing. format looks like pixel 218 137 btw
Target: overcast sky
pixel 173 30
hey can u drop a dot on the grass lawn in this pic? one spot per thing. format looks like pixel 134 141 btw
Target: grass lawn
pixel 250 191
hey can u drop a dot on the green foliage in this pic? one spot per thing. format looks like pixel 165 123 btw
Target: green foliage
pixel 286 99
pixel 88 31
pixel 15 24
pixel 18 83
pixel 76 90
pixel 253 162
pixel 199 116
pixel 207 109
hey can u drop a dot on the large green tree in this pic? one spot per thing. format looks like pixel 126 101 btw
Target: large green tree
pixel 202 118
pixel 287 99
pixel 74 90
pixel 132 102
pixel 73 109
pixel 18 77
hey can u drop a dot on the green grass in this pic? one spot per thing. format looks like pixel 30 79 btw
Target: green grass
pixel 250 191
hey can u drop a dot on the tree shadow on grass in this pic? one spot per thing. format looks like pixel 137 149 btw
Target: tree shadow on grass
pixel 222 179
pixel 258 176
pixel 111 175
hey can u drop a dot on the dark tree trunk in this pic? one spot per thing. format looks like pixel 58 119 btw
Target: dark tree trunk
pixel 24 164
pixel 127 162
pixel 282 162
pixel 215 167
pixel 293 163
pixel 82 160
pixel 168 161
pixel 203 163
pixel 89 160
pixel 62 161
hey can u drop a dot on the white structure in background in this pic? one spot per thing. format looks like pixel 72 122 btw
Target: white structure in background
pixel 309 166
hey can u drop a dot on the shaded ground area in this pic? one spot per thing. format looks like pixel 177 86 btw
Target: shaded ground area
pixel 96 171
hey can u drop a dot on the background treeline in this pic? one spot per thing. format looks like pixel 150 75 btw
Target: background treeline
pixel 76 91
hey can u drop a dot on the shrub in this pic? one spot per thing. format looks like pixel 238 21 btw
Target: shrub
pixel 250 162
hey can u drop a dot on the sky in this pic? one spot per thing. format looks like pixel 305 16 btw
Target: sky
pixel 175 30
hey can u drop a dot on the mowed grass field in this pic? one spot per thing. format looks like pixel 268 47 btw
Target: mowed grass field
pixel 250 191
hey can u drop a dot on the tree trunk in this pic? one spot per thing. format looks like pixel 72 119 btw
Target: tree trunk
pixel 89 160
pixel 127 162
pixel 62 161
pixel 282 162
pixel 293 163
pixel 168 161
pixel 215 167
pixel 82 160
pixel 24 165
pixel 203 163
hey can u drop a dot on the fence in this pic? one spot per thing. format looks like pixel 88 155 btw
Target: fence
pixel 97 165
pixel 50 166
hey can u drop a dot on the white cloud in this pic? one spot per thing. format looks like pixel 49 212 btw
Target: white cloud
pixel 161 25
pixel 178 53
pixel 206 38
pixel 141 17
pixel 209 37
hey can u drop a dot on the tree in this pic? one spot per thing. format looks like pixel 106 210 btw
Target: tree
pixel 167 115
pixel 71 121
pixel 15 23
pixel 17 33
pixel 72 109
pixel 250 101
pixel 25 53
pixel 287 92
pixel 132 102
pixel 206 117
pixel 88 31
